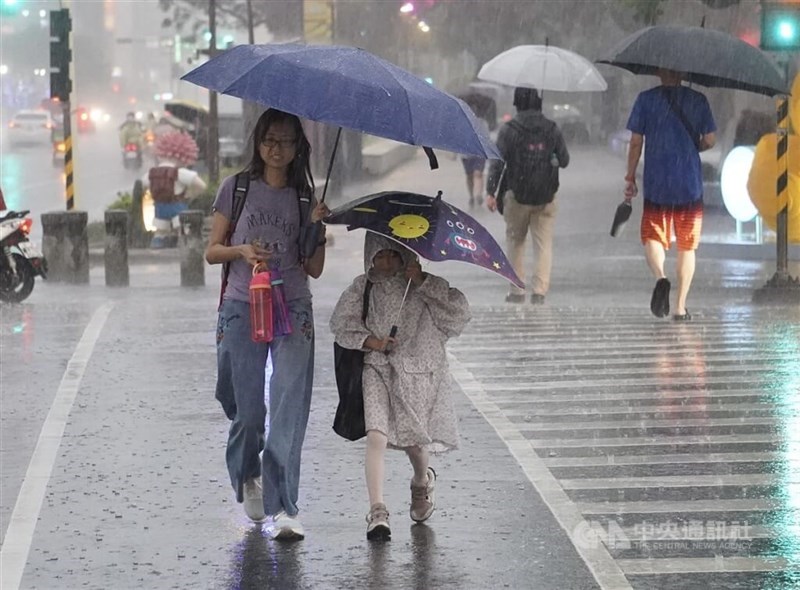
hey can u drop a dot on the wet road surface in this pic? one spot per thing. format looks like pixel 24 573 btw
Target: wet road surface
pixel 599 443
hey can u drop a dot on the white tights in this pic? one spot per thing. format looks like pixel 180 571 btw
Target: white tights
pixel 374 467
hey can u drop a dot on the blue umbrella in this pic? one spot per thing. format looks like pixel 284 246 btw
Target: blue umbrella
pixel 429 226
pixel 347 87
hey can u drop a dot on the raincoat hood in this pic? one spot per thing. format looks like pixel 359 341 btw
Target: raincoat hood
pixel 374 243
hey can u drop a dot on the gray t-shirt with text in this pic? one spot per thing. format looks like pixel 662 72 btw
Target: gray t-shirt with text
pixel 272 217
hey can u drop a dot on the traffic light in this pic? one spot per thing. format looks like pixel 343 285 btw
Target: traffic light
pixel 60 54
pixel 780 27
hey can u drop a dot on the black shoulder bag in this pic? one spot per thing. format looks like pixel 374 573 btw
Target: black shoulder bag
pixel 349 367
pixel 239 196
pixel 676 109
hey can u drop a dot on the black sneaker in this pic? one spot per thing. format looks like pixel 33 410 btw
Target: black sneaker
pixel 537 299
pixel 659 302
pixel 514 298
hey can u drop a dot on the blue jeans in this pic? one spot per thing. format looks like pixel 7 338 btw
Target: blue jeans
pixel 240 390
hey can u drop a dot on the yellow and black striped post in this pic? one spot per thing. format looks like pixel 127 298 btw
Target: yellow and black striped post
pixel 68 165
pixel 782 186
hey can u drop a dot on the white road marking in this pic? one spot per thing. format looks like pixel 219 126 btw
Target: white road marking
pixel 672 481
pixel 685 565
pixel 645 413
pixel 643 424
pixel 680 506
pixel 21 526
pixel 655 441
pixel 679 458
pixel 597 558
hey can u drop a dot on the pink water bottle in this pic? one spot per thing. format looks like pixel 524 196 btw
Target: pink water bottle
pixel 260 305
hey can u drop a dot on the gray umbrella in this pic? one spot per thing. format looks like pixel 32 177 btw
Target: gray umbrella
pixel 707 57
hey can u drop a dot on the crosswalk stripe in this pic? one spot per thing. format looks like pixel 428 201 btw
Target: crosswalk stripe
pixel 679 506
pixel 697 565
pixel 682 458
pixel 671 481
pixel 654 441
pixel 718 396
pixel 645 424
pixel 655 382
pixel 518 407
pixel 662 413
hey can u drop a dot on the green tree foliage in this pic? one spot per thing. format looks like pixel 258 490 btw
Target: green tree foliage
pixel 375 26
pixel 645 12
pixel 484 29
pixel 282 17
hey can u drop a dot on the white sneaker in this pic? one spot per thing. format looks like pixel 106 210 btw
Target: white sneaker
pixel 254 500
pixel 286 528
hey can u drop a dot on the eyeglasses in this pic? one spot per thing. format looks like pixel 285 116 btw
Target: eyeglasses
pixel 283 144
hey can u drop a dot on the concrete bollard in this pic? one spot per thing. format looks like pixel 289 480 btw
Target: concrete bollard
pixel 116 248
pixel 192 248
pixel 65 245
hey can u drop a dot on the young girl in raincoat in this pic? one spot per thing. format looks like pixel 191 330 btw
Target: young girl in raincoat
pixel 408 401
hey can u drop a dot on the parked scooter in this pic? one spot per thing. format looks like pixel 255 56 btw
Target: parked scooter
pixel 20 261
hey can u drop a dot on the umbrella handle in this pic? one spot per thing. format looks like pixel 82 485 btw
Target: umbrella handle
pixel 392 334
pixel 330 164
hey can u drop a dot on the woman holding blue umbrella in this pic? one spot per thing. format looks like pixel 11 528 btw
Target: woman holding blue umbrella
pixel 260 218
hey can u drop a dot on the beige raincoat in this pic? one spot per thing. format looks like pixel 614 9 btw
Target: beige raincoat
pixel 407 393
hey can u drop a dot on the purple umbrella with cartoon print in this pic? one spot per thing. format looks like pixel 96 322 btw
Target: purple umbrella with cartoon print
pixel 430 226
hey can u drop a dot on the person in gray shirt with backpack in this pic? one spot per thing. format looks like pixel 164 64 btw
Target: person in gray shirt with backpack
pixel 523 188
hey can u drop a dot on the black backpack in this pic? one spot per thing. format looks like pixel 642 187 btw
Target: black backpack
pixel 530 173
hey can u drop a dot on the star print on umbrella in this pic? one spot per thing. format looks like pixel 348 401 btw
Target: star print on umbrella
pixel 430 226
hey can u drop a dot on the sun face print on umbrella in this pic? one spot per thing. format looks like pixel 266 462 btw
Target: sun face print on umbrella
pixel 431 227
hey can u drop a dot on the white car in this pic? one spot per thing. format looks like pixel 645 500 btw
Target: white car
pixel 30 127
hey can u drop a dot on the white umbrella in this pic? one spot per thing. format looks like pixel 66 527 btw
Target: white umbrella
pixel 543 67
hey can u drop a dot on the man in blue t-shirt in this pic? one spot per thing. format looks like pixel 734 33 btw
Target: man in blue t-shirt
pixel 678 125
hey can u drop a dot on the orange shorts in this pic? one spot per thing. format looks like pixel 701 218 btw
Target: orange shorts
pixel 657 222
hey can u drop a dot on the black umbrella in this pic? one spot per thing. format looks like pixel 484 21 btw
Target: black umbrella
pixel 709 58
pixel 621 217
